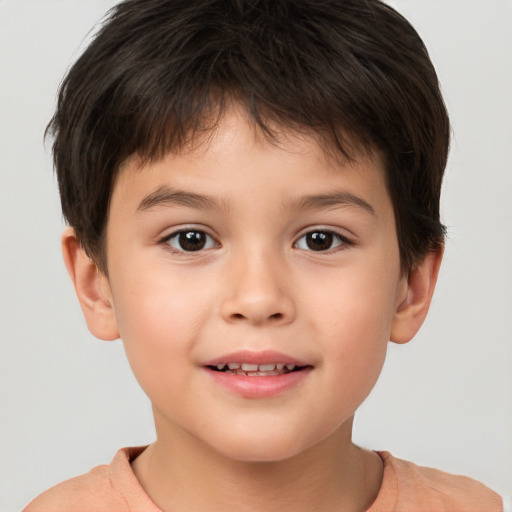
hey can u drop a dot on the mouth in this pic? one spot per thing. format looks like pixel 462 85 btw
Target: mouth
pixel 258 374
pixel 256 370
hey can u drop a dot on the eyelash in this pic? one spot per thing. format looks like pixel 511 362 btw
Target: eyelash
pixel 175 236
pixel 326 236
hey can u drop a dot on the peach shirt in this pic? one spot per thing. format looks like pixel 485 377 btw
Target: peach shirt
pixel 406 487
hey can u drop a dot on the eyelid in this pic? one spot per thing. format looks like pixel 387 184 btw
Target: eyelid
pixel 344 239
pixel 164 240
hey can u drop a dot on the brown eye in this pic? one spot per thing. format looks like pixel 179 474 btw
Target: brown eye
pixel 319 241
pixel 191 240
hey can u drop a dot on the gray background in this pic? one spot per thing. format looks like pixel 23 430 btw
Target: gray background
pixel 68 401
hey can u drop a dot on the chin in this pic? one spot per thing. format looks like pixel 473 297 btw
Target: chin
pixel 261 446
pixel 262 453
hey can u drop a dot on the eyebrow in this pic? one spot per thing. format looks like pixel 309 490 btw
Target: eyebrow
pixel 165 196
pixel 332 199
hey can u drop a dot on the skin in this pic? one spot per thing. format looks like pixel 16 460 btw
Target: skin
pixel 257 285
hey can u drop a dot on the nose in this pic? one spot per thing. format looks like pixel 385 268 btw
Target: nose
pixel 258 291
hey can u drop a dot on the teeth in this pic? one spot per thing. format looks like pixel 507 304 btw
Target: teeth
pixel 248 367
pixel 255 369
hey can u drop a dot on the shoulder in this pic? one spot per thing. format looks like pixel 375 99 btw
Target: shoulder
pixel 84 492
pixel 110 487
pixel 434 490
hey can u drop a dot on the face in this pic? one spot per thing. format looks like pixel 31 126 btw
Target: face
pixel 254 287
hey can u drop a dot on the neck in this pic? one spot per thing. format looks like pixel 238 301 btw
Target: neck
pixel 181 473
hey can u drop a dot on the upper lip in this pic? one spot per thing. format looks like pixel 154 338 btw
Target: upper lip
pixel 255 357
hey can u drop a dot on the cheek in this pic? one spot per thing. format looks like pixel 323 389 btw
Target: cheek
pixel 160 302
pixel 159 321
pixel 357 350
pixel 353 320
pixel 354 308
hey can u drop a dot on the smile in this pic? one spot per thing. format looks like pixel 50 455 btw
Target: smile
pixel 256 370
pixel 257 374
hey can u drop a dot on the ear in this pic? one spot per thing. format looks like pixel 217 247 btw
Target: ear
pixel 92 288
pixel 416 289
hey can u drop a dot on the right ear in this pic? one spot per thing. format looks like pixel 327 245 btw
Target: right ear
pixel 92 288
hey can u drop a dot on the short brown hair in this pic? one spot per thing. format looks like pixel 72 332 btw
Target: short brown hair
pixel 350 70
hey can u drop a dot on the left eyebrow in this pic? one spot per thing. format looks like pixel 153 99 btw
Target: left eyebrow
pixel 333 199
pixel 165 196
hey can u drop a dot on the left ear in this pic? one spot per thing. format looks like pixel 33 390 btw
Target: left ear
pixel 419 287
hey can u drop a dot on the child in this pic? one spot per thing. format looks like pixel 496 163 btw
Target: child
pixel 252 191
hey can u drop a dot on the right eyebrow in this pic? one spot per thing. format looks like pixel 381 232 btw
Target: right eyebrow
pixel 165 196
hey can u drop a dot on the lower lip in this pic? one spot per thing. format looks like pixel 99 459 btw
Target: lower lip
pixel 259 387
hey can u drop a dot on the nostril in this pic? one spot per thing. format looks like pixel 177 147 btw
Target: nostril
pixel 240 316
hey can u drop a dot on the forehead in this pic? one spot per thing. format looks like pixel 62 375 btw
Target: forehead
pixel 232 117
pixel 237 154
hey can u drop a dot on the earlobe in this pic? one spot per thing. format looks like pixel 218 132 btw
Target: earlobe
pixel 92 288
pixel 419 287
